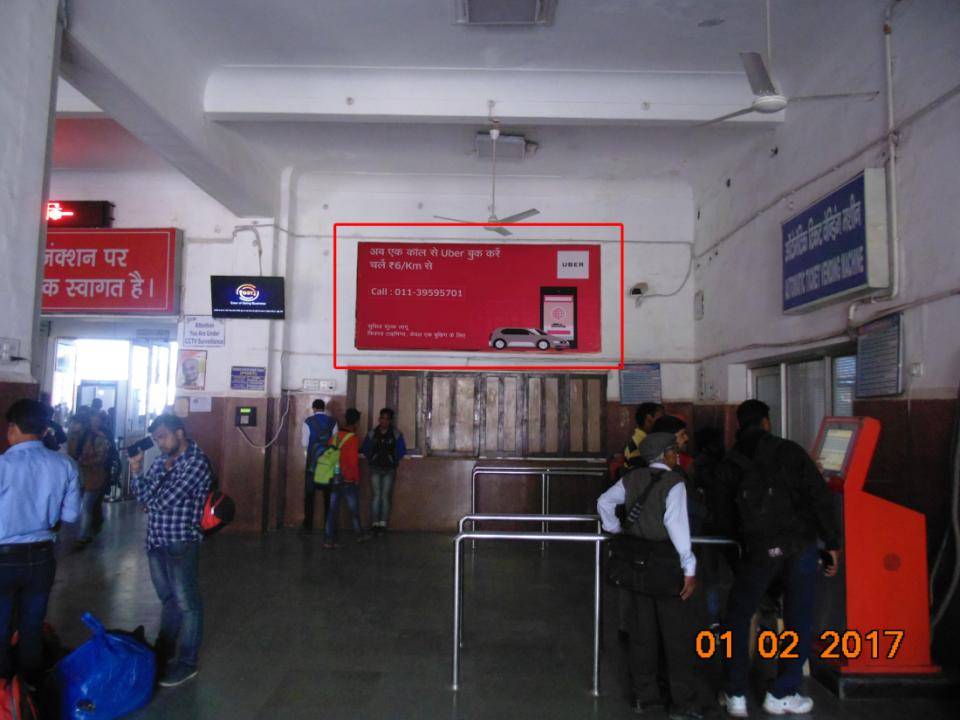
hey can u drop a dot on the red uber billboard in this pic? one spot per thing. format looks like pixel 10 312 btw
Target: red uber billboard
pixel 478 297
pixel 111 271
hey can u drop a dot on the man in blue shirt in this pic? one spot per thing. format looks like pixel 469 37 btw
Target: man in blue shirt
pixel 39 488
pixel 173 491
pixel 315 436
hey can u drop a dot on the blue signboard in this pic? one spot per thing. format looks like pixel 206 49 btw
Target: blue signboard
pixel 245 377
pixel 837 246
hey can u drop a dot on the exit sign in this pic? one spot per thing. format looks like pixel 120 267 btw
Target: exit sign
pixel 79 213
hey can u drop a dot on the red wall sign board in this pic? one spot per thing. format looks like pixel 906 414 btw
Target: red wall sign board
pixel 478 297
pixel 111 271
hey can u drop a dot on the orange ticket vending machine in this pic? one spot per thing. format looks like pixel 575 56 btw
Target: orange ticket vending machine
pixel 887 609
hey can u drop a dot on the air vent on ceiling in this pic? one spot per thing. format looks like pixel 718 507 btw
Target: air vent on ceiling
pixel 509 147
pixel 504 12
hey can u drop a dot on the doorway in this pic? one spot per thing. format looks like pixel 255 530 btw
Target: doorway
pixel 134 379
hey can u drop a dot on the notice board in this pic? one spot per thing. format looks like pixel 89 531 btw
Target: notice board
pixel 541 298
pixel 111 271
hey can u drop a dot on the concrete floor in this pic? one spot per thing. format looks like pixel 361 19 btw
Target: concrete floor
pixel 295 631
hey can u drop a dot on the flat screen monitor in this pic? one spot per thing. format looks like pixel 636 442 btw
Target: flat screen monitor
pixel 247 296
pixel 836 442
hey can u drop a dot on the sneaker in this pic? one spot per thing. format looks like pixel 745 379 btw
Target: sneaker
pixel 179 675
pixel 795 704
pixel 735 705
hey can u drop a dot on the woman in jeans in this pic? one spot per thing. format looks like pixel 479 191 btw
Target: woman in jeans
pixel 383 447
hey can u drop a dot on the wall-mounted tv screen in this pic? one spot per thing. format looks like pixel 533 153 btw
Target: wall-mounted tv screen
pixel 247 296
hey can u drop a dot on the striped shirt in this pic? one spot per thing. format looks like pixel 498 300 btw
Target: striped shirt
pixel 174 498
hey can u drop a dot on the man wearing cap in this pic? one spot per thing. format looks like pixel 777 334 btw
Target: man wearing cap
pixel 656 526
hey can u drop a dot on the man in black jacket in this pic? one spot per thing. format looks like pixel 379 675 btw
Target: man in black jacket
pixel 782 506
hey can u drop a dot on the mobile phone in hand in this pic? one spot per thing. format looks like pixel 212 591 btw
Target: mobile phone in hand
pixel 140 446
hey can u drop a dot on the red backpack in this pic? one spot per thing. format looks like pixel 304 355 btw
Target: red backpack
pixel 218 512
pixel 15 701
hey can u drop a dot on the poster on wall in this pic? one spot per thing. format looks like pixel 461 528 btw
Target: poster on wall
pixel 478 297
pixel 640 383
pixel 192 369
pixel 111 271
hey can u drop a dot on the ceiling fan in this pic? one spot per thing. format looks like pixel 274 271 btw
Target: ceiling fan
pixel 767 99
pixel 517 217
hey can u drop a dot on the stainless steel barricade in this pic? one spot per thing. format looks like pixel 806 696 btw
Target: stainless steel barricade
pixel 543 472
pixel 528 537
pixel 472 519
pixel 597 539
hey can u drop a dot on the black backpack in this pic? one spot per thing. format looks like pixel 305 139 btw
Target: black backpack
pixel 766 510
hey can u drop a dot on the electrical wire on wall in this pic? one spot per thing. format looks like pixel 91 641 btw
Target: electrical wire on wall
pixel 283 420
pixel 255 229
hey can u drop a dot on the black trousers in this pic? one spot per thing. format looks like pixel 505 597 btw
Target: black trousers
pixel 671 624
pixel 309 497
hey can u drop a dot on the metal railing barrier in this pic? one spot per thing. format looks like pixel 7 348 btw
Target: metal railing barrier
pixel 525 537
pixel 541 537
pixel 543 472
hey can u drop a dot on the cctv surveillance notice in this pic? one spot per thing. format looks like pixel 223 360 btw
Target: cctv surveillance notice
pixel 478 297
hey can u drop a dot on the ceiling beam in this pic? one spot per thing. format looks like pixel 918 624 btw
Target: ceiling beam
pixel 258 93
pixel 161 111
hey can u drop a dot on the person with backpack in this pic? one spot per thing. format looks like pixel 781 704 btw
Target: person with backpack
pixel 87 444
pixel 315 436
pixel 174 491
pixel 782 506
pixel 345 479
pixel 384 448
pixel 39 489
pixel 654 548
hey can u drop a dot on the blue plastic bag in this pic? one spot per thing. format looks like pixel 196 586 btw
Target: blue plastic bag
pixel 107 677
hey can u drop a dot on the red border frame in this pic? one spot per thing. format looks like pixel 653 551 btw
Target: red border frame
pixel 336 365
pixel 170 235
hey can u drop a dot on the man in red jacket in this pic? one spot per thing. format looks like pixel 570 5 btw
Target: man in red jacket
pixel 346 482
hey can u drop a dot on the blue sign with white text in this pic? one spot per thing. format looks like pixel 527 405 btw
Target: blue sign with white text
pixel 825 247
pixel 245 377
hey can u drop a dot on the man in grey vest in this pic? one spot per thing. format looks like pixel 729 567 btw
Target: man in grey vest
pixel 657 528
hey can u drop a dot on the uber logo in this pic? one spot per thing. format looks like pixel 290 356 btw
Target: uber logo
pixel 573 264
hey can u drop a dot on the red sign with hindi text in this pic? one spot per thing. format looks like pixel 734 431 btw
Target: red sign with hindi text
pixel 111 271
pixel 542 298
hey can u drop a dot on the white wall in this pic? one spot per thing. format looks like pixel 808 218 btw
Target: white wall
pixel 741 279
pixel 658 211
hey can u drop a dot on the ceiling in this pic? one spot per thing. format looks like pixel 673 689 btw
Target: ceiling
pixel 586 34
pixel 200 39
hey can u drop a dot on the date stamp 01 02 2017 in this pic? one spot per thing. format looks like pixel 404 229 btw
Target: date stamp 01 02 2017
pixel 836 645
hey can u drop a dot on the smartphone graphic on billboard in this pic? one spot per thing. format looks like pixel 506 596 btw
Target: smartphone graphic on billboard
pixel 558 312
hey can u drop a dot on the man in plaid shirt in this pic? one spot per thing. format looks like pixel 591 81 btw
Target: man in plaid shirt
pixel 173 491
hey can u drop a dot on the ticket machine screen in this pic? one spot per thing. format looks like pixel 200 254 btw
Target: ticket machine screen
pixel 834 449
pixel 835 445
